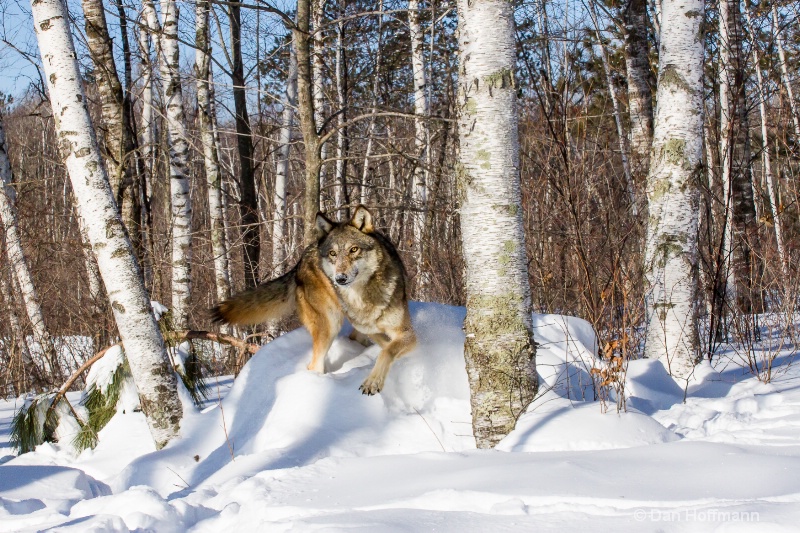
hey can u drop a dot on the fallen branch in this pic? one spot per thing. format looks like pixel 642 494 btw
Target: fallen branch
pixel 221 338
pixel 170 336
pixel 65 387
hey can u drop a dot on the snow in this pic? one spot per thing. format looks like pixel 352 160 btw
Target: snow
pixel 283 449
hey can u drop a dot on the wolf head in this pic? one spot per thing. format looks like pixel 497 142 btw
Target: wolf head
pixel 348 253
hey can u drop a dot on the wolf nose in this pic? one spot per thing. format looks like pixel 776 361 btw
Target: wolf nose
pixel 341 279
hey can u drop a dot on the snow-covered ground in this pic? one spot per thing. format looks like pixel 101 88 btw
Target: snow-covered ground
pixel 283 449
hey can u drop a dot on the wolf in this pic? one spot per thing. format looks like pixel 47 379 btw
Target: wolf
pixel 352 271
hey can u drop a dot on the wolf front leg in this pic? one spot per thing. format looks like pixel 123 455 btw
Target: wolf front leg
pixel 323 320
pixel 395 345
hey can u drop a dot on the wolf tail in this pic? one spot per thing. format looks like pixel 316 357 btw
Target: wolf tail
pixel 269 301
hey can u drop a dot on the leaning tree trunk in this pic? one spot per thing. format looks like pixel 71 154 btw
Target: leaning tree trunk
pixel 180 200
pixel 499 348
pixel 144 346
pixel 18 263
pixel 672 192
pixel 210 151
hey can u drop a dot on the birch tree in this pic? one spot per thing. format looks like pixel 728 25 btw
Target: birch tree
pixel 180 199
pixel 282 166
pixel 419 191
pixel 318 75
pixel 499 348
pixel 640 97
pixel 342 194
pixel 18 262
pixel 210 149
pixel 144 346
pixel 737 179
pixel 675 165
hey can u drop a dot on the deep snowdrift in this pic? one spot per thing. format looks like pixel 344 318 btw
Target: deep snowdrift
pixel 285 449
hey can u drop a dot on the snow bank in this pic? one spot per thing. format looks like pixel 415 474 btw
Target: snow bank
pixel 284 449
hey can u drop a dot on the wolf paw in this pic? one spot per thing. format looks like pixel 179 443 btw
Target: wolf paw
pixel 319 367
pixel 371 386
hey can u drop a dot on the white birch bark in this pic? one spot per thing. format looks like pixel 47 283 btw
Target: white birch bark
pixel 318 70
pixel 676 160
pixel 726 125
pixel 640 96
pixel 18 263
pixel 146 123
pixel 741 221
pixel 341 193
pixel 144 346
pixel 210 150
pixel 419 190
pixel 180 199
pixel 365 171
pixel 279 244
pixel 499 349
pixel 768 176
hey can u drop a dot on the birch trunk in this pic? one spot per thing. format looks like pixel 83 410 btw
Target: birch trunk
pixel 768 176
pixel 419 190
pixel 640 97
pixel 18 263
pixel 365 172
pixel 318 74
pixel 180 199
pixel 210 150
pixel 499 348
pixel 785 73
pixel 737 178
pixel 152 275
pixel 279 244
pixel 675 164
pixel 342 195
pixel 144 346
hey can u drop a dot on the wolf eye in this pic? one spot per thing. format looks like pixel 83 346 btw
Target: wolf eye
pixel 354 249
pixel 332 253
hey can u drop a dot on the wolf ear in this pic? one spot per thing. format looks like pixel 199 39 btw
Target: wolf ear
pixel 324 226
pixel 362 220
